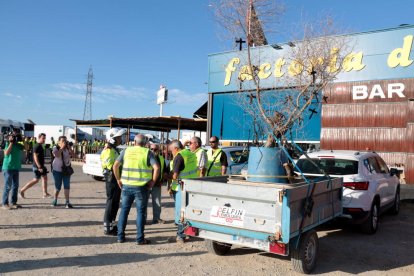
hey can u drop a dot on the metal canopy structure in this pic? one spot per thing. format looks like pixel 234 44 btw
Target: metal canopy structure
pixel 163 124
pixel 201 112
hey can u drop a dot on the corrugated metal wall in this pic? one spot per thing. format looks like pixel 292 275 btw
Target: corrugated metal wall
pixel 409 171
pixel 378 139
pixel 340 93
pixel 365 115
pixel 394 158
pixel 410 133
pixel 411 110
pixel 385 125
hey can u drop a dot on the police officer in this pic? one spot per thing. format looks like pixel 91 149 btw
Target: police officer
pixel 217 159
pixel 183 166
pixel 113 192
pixel 140 171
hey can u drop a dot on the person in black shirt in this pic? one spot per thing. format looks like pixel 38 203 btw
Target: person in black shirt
pixel 155 192
pixel 39 168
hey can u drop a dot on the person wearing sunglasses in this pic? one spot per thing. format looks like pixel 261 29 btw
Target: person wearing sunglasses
pixel 155 192
pixel 195 147
pixel 217 159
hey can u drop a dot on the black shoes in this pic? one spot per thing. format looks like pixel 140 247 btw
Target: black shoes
pixel 112 232
pixel 145 241
pixel 158 221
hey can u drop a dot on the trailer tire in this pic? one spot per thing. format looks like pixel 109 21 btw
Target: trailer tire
pixel 304 257
pixel 217 248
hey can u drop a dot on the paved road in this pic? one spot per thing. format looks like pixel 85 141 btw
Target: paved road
pixel 39 239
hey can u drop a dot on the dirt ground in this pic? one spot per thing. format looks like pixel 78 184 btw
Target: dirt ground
pixel 42 240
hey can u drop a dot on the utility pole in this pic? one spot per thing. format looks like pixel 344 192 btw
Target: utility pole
pixel 87 110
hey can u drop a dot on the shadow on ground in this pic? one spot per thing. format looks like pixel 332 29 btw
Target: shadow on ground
pixel 55 242
pixel 53 224
pixel 343 248
pixel 87 261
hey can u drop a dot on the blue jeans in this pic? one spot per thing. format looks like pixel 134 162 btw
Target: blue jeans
pixel 129 194
pixel 180 226
pixel 59 178
pixel 156 202
pixel 11 182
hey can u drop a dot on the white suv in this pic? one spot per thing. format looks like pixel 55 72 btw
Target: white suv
pixel 370 188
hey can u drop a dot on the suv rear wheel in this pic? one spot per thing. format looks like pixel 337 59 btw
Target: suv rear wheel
pixel 370 226
pixel 395 209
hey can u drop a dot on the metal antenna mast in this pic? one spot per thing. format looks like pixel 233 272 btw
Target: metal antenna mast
pixel 87 111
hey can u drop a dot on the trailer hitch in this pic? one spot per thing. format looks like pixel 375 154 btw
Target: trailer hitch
pixel 276 237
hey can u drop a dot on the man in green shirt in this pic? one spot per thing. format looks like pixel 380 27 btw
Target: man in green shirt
pixel 12 164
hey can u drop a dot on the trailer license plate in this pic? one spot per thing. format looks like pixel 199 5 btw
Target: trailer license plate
pixel 254 243
pixel 227 216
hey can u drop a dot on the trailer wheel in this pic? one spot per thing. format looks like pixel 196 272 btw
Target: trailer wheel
pixel 304 257
pixel 217 248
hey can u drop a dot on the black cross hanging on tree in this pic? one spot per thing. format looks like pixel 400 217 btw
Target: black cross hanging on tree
pixel 313 111
pixel 313 73
pixel 251 97
pixel 240 41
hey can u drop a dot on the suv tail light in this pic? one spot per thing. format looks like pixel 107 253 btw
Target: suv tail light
pixel 357 185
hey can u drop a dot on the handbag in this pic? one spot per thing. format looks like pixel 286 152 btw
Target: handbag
pixel 66 170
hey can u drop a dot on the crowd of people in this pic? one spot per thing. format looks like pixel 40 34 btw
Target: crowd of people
pixel 134 174
pixel 12 164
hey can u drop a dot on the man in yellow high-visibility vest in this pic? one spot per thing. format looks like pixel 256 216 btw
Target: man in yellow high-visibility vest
pixel 183 166
pixel 217 159
pixel 140 171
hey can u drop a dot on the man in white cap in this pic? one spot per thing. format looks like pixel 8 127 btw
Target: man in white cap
pixel 113 192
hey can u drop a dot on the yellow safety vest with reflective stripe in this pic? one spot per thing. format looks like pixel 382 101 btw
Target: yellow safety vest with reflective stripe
pixel 190 167
pixel 135 170
pixel 216 167
pixel 162 165
pixel 108 157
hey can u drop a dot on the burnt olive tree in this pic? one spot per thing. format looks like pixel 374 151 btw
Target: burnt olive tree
pixel 310 63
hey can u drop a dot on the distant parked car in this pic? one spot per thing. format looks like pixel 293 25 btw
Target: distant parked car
pixel 370 188
pixel 237 158
pixel 93 166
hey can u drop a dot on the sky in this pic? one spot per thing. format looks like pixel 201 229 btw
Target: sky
pixel 48 46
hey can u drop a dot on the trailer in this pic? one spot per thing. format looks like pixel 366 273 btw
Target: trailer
pixel 90 133
pixel 277 218
pixel 55 131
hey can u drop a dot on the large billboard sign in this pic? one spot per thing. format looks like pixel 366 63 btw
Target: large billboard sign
pixel 386 54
